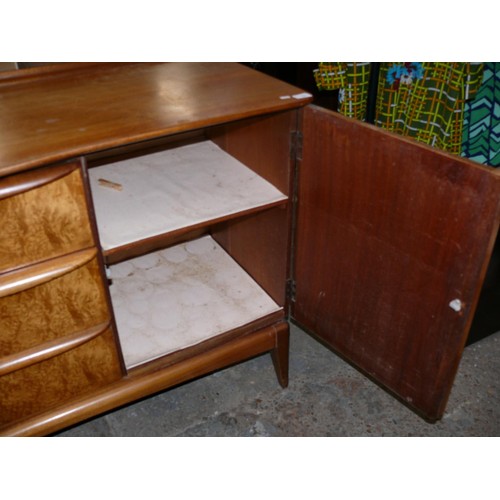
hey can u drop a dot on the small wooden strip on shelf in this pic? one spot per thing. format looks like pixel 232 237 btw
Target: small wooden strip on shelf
pixel 20 183
pixel 48 350
pixel 110 184
pixel 28 277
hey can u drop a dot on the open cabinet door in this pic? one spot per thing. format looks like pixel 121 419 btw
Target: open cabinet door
pixel 392 244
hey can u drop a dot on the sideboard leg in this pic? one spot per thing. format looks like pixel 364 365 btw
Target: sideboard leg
pixel 280 353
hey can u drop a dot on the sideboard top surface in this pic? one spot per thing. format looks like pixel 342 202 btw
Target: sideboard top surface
pixel 49 116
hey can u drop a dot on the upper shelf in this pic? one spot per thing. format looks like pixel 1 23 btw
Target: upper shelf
pixel 182 187
pixel 55 115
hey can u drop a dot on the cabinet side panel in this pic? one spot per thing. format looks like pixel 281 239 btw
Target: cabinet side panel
pixel 392 245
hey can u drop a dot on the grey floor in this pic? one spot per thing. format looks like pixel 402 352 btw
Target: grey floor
pixel 325 397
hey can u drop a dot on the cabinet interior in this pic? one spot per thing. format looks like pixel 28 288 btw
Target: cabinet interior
pixel 194 238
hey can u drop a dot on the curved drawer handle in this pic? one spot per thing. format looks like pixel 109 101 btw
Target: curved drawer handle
pixel 36 274
pixel 49 349
pixel 19 183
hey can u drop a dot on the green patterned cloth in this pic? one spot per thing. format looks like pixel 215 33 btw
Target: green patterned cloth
pixel 420 100
pixel 481 138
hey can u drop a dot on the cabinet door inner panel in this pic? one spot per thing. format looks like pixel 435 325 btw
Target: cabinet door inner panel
pixel 392 245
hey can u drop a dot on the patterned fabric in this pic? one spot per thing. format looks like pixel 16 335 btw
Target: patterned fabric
pixel 351 79
pixel 420 100
pixel 481 139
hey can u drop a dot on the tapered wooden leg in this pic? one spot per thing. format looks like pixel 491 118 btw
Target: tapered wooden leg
pixel 280 354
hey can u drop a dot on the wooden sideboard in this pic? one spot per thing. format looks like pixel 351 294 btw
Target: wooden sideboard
pixel 163 221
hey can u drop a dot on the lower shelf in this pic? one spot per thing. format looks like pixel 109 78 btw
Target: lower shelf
pixel 181 296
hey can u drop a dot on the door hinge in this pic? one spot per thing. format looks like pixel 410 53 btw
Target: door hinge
pixel 290 290
pixel 296 144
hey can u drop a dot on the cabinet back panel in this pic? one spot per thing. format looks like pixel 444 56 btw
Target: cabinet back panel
pixel 259 243
pixel 262 144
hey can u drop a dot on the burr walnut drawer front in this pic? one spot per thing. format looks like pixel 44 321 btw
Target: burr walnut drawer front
pixel 56 339
pixel 43 214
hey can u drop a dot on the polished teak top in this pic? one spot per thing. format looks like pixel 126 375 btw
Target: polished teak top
pixel 51 114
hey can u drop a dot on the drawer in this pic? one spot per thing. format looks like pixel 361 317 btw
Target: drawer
pixel 71 302
pixel 43 214
pixel 56 339
pixel 58 379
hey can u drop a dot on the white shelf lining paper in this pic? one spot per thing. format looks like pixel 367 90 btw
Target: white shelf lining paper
pixel 172 189
pixel 181 296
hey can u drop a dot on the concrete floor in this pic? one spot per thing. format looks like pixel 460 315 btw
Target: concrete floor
pixel 325 397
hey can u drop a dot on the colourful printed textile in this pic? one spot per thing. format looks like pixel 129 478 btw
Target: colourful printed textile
pixel 421 100
pixel 481 139
pixel 351 79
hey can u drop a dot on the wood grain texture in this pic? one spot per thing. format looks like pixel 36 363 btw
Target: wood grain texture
pixel 74 113
pixel 263 144
pixel 28 277
pixel 17 184
pixel 131 388
pixel 389 233
pixel 43 222
pixel 36 71
pixel 260 243
pixel 50 383
pixel 280 354
pixel 70 303
pixel 47 350
pixel 66 305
